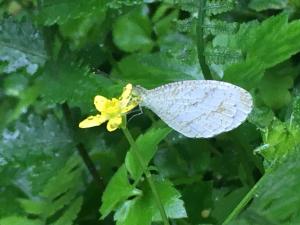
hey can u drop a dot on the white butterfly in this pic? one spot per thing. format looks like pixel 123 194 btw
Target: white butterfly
pixel 198 108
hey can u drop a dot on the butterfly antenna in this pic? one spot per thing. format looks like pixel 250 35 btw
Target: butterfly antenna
pixel 139 112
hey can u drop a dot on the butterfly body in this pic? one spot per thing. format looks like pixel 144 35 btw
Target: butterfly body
pixel 198 108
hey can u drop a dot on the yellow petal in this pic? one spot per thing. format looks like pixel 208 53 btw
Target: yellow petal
pixel 126 95
pixel 99 102
pixel 130 106
pixel 114 123
pixel 92 121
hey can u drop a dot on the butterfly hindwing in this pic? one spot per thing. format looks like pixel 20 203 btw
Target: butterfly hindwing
pixel 199 108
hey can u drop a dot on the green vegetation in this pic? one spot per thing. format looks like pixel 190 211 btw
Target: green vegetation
pixel 56 55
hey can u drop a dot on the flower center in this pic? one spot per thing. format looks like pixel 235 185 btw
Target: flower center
pixel 112 108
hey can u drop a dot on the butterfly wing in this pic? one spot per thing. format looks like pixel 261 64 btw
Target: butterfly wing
pixel 199 108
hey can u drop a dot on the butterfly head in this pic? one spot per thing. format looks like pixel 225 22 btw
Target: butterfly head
pixel 140 93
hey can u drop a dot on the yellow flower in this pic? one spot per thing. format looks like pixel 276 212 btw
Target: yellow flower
pixel 111 110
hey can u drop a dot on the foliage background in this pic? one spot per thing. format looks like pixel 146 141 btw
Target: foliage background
pixel 56 55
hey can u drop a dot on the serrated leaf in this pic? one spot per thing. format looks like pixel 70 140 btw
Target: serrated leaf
pixel 17 220
pixel 54 11
pixel 265 45
pixel 147 145
pixel 197 197
pixel 214 7
pixel 275 200
pixel 45 143
pixel 67 82
pixel 260 5
pixel 152 70
pixel 117 190
pixel 295 116
pixel 261 116
pixel 8 198
pixel 59 195
pixel 21 46
pixel 132 31
pixel 220 55
pixel 85 30
pixel 70 214
pixel 279 139
pixel 216 27
pixel 186 5
pixel 143 209
pixel 116 4
pixel 274 90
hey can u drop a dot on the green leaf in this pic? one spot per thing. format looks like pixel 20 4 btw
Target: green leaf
pixel 226 203
pixel 15 220
pixel 165 25
pixel 261 116
pixel 197 197
pixel 260 5
pixel 215 7
pixel 279 139
pixel 216 27
pixel 21 46
pixel 46 143
pixel 59 195
pixel 117 190
pixel 152 70
pixel 79 85
pixel 8 198
pixel 143 209
pixel 295 115
pixel 62 11
pixel 265 45
pixel 87 29
pixel 275 199
pixel 70 214
pixel 274 90
pixel 116 4
pixel 132 31
pixel 147 144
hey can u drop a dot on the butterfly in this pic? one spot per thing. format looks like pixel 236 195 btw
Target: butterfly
pixel 198 108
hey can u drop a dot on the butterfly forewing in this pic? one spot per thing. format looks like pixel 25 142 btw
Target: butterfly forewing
pixel 199 108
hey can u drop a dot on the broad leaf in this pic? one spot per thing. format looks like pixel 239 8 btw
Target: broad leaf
pixel 143 209
pixel 21 46
pixel 147 145
pixel 118 190
pixel 46 143
pixel 132 31
pixel 66 82
pixel 62 11
pixel 265 45
pixel 151 70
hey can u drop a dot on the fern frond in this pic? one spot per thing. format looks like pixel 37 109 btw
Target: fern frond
pixel 222 55
pixel 216 27
pixel 186 25
pixel 215 7
pixel 187 5
pixel 116 4
pixel 59 198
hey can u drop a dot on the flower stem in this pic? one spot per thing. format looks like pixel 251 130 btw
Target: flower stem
pixel 148 175
pixel 201 40
pixel 244 201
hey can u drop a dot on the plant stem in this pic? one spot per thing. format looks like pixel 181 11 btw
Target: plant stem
pixel 244 201
pixel 90 165
pixel 148 175
pixel 201 40
pixel 81 149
